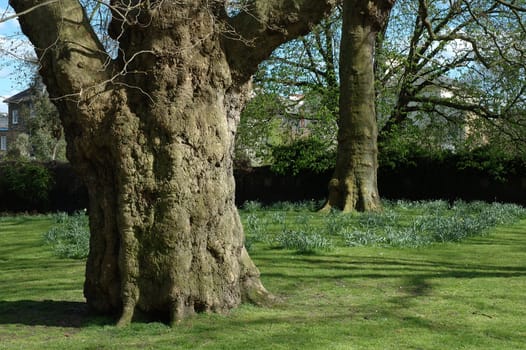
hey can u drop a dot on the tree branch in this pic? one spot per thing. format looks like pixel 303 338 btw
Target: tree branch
pixel 266 24
pixel 458 105
pixel 512 6
pixel 311 66
pixel 16 15
pixel 73 61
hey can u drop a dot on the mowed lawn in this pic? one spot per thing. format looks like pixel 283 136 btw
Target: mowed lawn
pixel 468 295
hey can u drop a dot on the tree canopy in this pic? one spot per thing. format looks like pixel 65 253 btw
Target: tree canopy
pixel 454 67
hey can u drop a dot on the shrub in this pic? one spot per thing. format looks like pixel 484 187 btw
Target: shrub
pixel 492 160
pixel 309 154
pixel 26 184
pixel 70 235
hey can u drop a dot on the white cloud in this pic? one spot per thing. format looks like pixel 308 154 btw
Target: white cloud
pixel 3 106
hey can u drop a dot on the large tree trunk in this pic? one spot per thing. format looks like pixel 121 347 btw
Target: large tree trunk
pixel 152 135
pixel 168 190
pixel 353 185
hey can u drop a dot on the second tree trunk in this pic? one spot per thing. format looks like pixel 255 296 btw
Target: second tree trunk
pixel 353 185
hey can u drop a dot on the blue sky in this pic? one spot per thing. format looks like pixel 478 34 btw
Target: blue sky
pixel 9 84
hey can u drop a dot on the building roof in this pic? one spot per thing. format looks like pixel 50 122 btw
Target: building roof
pixel 20 97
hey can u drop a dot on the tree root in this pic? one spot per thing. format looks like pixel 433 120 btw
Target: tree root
pixel 252 290
pixel 254 293
pixel 127 315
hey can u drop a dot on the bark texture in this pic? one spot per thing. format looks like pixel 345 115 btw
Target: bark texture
pixel 353 185
pixel 152 134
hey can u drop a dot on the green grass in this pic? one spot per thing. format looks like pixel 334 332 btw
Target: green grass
pixel 467 295
pixel 400 224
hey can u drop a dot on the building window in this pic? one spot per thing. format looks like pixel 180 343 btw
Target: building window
pixel 3 143
pixel 14 114
pixel 4 122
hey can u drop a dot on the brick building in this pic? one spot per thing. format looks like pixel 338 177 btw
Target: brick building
pixel 14 123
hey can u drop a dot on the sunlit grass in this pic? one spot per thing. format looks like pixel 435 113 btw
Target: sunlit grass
pixel 467 295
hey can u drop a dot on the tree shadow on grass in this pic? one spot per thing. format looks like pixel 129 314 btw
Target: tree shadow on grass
pixel 385 267
pixel 48 313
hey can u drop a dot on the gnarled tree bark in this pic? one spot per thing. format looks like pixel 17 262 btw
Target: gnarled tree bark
pixel 353 185
pixel 151 132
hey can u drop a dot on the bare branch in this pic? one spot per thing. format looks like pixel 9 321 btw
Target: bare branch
pixel 32 8
pixel 511 6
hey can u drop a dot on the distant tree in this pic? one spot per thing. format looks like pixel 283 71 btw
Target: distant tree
pixel 457 68
pixel 446 76
pixel 44 137
pixel 46 134
pixel 295 88
pixel 353 185
pixel 261 128
pixel 20 148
